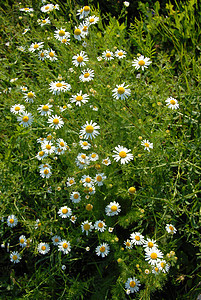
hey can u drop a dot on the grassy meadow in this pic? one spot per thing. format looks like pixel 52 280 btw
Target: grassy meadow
pixel 100 150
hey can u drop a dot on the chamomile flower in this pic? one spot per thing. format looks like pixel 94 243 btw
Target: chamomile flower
pixel 15 257
pixel 172 103
pixel 92 20
pixel 51 55
pixel 42 54
pixel 17 109
pixel 65 41
pixel 48 147
pixel 108 55
pixel 44 22
pixel 155 270
pixel 163 266
pixel 13 80
pixel 43 248
pixel 25 30
pixel 25 119
pixel 128 244
pixel 100 226
pixel 64 246
pixel 77 33
pixel 89 130
pixel 141 62
pixel 106 161
pixel 45 110
pixel 99 179
pixel 24 89
pixel 147 145
pixel 120 53
pixel 149 244
pixel 29 97
pixel 23 241
pixel 45 173
pixel 93 107
pixel 59 86
pixel 35 47
pixel 93 157
pixel 132 190
pixel 152 256
pixel 86 227
pixel 102 250
pixel 132 284
pixel 37 224
pixel 86 11
pixel 112 209
pixel 27 9
pixel 75 197
pixel 85 145
pixel 87 180
pixel 122 154
pixel 55 121
pixel 137 238
pixel 170 228
pixel 47 8
pixel 82 157
pixel 65 212
pixel 61 34
pixel 84 29
pixel 121 91
pixel 70 181
pixel 81 164
pixel 73 219
pixel 56 240
pixel 62 144
pixel 80 59
pixel 79 99
pixel 12 221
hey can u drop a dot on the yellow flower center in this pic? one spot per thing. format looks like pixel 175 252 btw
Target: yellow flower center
pixel 141 63
pixel 113 208
pixel 61 33
pixel 132 190
pixel 171 228
pixel 64 41
pixel 56 240
pixel 14 257
pixel 83 156
pixel 150 244
pixel 105 161
pixel 59 84
pixel 84 143
pixel 56 121
pixel 48 147
pixel 45 108
pixel 137 237
pixel 77 32
pixel 128 244
pixel 93 155
pixel 154 255
pixel 46 171
pixel 89 207
pixel 90 189
pixel 86 75
pixel 73 218
pixel 86 226
pixel 91 20
pixel 100 225
pixel 30 95
pixel 86 8
pixel 64 106
pixel 75 196
pixel 47 7
pixel 44 21
pixel 42 54
pixel 84 28
pixel 64 211
pixel 132 284
pixel 89 129
pixel 41 153
pixel 26 8
pixel 79 98
pixel 108 55
pixel 71 181
pixel 146 145
pixel 120 53
pixel 11 221
pixel 99 178
pixel 162 265
pixel 102 249
pixel 122 154
pixel 21 241
pixel 88 180
pixel 36 46
pixel 156 269
pixel 121 90
pixel 49 137
pixel 173 102
pixel 17 108
pixel 80 59
pixel 62 144
pixel 51 54
pixel 65 245
pixel 25 119
pixel 43 248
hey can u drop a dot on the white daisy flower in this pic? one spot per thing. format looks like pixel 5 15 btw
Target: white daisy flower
pixel 170 228
pixel 121 91
pixel 41 154
pixel 70 181
pixel 17 109
pixel 45 173
pixel 24 89
pixel 43 248
pixel 172 103
pixel 56 240
pixel 62 144
pixel 92 20
pixel 99 58
pixel 108 55
pixel 21 48
pixel 48 147
pixel 82 157
pixel 126 3
pixel 42 55
pixel 62 108
pixel 25 119
pixel 45 110
pixel 112 209
pixel 59 86
pixel 35 46
pixel 89 130
pixel 93 157
pixel 56 6
pixel 80 13
pixel 25 31
pixel 86 11
pixel 132 284
pixel 149 244
pixel 12 221
pixel 91 190
pixel 85 145
pixel 122 154
pixel 79 99
pixel 75 197
pixel 155 270
pixel 73 219
pixel 128 244
pixel 84 29
pixel 142 62
pixel 29 97
pixel 51 55
pixel 23 241
pixel 61 34
pixel 65 212
pixel 37 224
pixel 81 164
pixel 95 108
pixel 100 226
pixel 64 246
pixel 55 121
pixel 86 227
pixel 137 238
pixel 163 266
pixel 106 161
pixel 77 34
pixel 13 80
pixel 147 145
pixel 120 53
pixel 152 256
pixel 15 257
pixel 44 166
pixel 27 9
pixel 80 59
pixel 99 179
pixel 46 8
pixel 45 22
pixel 87 180
pixel 102 250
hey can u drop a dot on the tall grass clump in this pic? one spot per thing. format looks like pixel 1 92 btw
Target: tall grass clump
pixel 100 152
